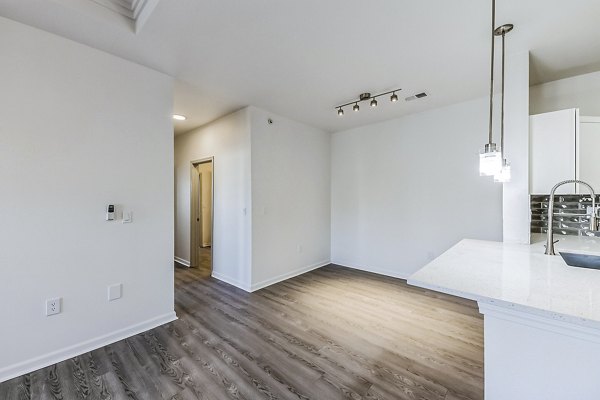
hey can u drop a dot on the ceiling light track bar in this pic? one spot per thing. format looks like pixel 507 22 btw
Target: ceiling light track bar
pixel 367 96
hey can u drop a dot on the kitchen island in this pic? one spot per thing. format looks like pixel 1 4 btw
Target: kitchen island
pixel 541 317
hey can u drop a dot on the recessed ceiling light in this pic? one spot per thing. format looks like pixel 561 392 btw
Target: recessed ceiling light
pixel 179 117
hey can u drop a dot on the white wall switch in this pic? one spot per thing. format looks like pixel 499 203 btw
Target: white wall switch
pixel 53 306
pixel 127 217
pixel 115 292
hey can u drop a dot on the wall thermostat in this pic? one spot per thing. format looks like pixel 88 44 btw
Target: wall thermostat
pixel 110 212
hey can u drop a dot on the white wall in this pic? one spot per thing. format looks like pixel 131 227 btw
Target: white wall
pixel 581 92
pixel 80 129
pixel 228 141
pixel 515 197
pixel 290 198
pixel 405 190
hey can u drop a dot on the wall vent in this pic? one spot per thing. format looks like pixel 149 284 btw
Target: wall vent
pixel 416 96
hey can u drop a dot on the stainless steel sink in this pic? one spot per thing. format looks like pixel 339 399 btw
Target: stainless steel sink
pixel 581 260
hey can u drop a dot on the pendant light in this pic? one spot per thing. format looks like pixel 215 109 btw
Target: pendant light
pixel 504 174
pixel 490 159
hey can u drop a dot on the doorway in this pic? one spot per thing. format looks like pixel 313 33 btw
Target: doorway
pixel 202 212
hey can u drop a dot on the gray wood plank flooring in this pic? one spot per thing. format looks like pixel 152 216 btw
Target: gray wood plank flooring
pixel 333 333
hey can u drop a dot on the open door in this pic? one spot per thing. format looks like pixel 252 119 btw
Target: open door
pixel 201 215
pixel 195 222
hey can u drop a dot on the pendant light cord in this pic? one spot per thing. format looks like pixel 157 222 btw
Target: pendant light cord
pixel 492 72
pixel 502 108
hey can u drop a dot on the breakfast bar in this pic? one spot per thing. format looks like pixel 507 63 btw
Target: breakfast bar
pixel 541 316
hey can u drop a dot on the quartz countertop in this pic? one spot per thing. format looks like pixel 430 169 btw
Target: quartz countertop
pixel 520 276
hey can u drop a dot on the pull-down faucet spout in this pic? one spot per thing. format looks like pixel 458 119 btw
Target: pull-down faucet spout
pixel 550 238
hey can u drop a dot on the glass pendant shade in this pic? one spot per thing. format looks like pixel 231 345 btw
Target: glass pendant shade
pixel 504 175
pixel 490 161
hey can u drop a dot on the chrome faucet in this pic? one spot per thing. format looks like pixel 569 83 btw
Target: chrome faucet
pixel 550 238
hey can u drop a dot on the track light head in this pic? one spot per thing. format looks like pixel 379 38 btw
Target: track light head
pixel 356 107
pixel 373 102
pixel 503 29
pixel 394 98
pixel 340 112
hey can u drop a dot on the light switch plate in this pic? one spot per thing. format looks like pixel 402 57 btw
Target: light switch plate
pixel 115 292
pixel 127 217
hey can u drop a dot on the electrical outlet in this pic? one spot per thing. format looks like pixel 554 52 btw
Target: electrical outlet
pixel 53 306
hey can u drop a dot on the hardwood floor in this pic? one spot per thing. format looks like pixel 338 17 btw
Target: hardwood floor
pixel 333 333
pixel 204 262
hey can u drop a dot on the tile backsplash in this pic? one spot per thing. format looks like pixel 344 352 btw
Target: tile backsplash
pixel 570 213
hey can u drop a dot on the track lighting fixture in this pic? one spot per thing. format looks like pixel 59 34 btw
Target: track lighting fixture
pixel 367 96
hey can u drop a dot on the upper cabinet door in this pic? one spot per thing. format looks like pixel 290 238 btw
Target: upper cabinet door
pixel 588 152
pixel 553 150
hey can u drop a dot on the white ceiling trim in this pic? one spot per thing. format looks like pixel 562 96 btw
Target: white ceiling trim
pixel 134 13
pixel 122 7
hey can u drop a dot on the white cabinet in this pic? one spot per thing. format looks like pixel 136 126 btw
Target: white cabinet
pixel 588 151
pixel 564 146
pixel 553 150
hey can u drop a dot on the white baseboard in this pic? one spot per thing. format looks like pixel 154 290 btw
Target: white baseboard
pixel 288 275
pixel 270 281
pixel 33 364
pixel 231 281
pixel 379 271
pixel 181 261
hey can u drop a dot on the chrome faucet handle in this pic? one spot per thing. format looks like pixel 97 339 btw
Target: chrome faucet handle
pixel 593 212
pixel 556 241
